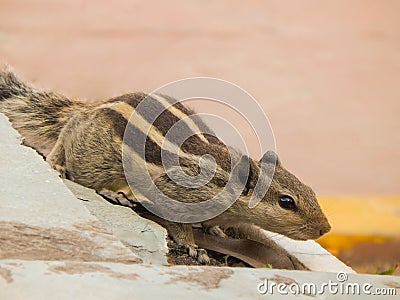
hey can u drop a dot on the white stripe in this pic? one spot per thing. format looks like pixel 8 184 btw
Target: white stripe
pixel 129 113
pixel 181 116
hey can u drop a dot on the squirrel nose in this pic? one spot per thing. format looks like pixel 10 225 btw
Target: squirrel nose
pixel 325 229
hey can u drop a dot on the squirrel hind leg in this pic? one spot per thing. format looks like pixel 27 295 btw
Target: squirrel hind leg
pixel 56 159
pixel 183 235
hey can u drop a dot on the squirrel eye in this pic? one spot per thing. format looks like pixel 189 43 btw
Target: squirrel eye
pixel 287 202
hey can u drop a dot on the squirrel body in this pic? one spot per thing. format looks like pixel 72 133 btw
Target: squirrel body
pixel 84 143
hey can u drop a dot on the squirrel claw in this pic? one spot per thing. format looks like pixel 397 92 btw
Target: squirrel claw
pixel 200 254
pixel 192 250
pixel 217 231
pixel 62 170
pixel 203 257
pixel 112 197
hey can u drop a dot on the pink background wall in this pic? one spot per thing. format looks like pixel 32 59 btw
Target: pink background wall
pixel 327 73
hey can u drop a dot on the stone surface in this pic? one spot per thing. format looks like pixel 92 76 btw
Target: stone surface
pixel 311 254
pixel 77 280
pixel 145 238
pixel 40 218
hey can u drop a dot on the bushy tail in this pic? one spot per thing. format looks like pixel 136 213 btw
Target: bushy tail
pixel 11 86
pixel 39 116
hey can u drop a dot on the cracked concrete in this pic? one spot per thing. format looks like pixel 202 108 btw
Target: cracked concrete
pixel 145 238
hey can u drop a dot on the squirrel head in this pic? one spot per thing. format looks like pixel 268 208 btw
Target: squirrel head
pixel 289 207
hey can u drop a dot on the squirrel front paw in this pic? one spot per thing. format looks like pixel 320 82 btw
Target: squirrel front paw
pixel 198 253
pixel 183 236
pixel 214 230
pixel 62 170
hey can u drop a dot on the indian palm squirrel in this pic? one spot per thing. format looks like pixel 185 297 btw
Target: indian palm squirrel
pixel 84 142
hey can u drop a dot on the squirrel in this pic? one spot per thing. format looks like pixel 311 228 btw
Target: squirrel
pixel 84 143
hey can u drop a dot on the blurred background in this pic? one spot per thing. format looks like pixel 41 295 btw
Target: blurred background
pixel 327 74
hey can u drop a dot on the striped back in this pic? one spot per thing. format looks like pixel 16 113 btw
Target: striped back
pixel 200 140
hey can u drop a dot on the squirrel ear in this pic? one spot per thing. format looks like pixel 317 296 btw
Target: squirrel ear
pixel 270 157
pixel 248 174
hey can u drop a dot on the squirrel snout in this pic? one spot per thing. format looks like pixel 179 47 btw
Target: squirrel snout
pixel 325 229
